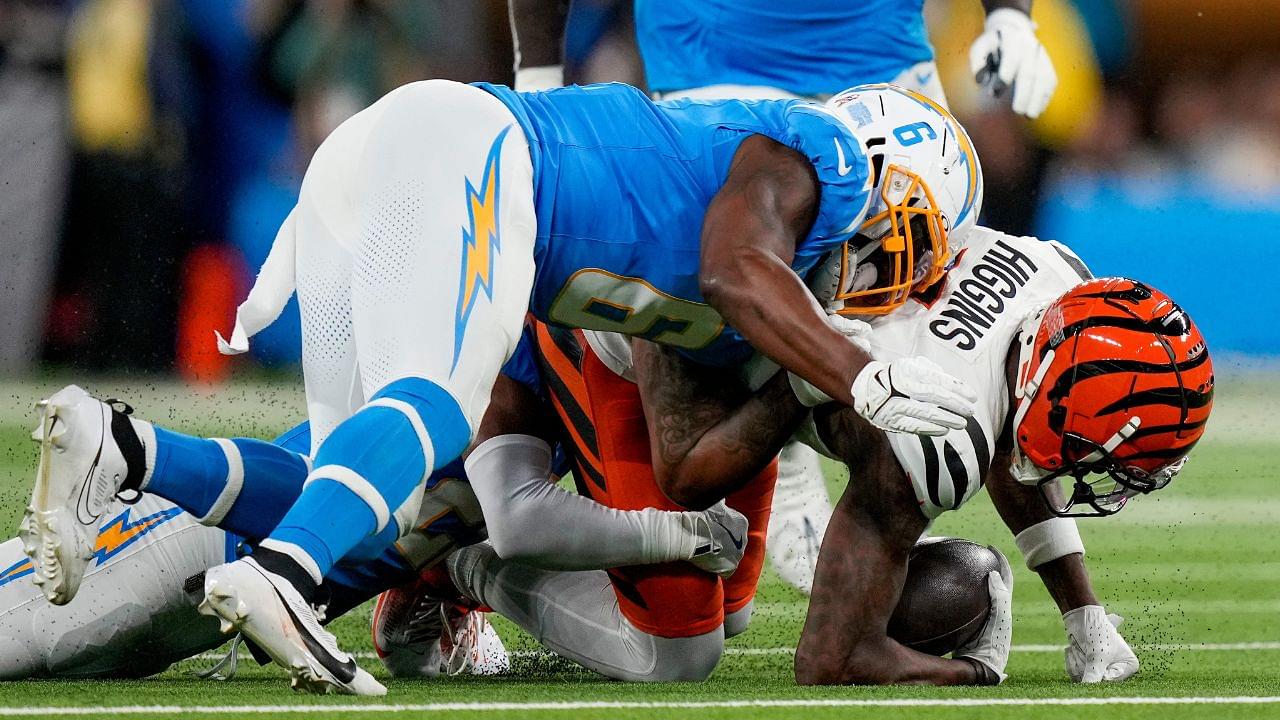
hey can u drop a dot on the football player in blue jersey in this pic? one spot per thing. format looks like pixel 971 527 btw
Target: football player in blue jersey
pixel 430 223
pixel 208 501
pixel 794 49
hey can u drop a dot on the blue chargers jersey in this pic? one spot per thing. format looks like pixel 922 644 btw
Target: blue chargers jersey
pixel 808 47
pixel 621 186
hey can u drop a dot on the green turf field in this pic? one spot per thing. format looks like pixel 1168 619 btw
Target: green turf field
pixel 1196 573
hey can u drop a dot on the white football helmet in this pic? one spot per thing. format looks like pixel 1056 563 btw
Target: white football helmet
pixel 926 194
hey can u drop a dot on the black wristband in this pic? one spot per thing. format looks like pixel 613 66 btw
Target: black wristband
pixel 983 675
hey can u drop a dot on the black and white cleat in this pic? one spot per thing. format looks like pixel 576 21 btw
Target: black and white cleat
pixel 271 612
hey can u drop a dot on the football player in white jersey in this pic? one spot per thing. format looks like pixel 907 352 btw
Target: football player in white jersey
pixel 1105 384
pixel 142 586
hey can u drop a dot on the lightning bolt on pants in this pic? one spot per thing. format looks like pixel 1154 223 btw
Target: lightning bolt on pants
pixel 413 264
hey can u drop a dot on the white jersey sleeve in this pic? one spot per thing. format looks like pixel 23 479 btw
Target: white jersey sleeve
pixel 133 615
pixel 996 283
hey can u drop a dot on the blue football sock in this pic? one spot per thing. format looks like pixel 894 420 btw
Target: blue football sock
pixel 242 485
pixel 368 467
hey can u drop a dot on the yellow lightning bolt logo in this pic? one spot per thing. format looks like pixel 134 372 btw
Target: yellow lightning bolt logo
pixel 113 537
pixel 480 243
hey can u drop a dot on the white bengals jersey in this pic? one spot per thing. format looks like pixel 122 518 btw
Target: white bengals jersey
pixel 996 283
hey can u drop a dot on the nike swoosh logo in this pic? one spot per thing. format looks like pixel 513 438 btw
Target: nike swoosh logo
pixel 84 513
pixel 737 544
pixel 345 672
pixel 842 167
pixel 923 78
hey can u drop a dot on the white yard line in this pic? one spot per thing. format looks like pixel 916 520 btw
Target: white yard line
pixel 624 705
pixel 1031 648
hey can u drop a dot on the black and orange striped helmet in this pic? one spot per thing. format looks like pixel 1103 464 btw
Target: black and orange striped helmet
pixel 1115 387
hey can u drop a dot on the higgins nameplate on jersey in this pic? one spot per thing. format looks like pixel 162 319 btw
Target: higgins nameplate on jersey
pixel 981 293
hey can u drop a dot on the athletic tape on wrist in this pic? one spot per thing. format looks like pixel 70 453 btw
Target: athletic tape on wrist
pixel 1049 540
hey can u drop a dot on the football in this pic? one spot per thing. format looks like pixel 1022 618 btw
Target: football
pixel 944 600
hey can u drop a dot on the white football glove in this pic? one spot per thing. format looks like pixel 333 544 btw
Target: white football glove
pixel 991 646
pixel 1095 650
pixel 912 395
pixel 1008 54
pixel 858 332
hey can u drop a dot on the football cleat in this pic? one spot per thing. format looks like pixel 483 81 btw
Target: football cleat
pixel 81 470
pixel 471 645
pixel 798 516
pixel 722 540
pixel 268 610
pixel 422 630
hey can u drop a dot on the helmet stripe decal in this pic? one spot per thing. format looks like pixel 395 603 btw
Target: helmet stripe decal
pixel 1173 397
pixel 1177 429
pixel 1123 323
pixel 1097 368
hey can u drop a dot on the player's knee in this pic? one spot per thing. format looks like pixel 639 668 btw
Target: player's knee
pixel 735 623
pixel 431 411
pixel 690 659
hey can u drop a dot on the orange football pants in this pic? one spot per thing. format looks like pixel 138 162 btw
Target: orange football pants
pixel 605 434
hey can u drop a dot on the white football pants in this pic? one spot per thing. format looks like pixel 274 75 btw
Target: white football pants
pixel 132 616
pixel 411 248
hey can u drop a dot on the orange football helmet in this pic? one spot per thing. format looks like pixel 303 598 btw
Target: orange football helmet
pixel 1115 386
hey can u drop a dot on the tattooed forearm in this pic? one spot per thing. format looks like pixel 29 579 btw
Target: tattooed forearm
pixel 709 434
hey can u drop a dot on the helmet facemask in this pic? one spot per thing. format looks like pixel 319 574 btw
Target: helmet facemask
pixel 1100 483
pixel 896 251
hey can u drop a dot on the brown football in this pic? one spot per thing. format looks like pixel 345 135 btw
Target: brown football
pixel 944 600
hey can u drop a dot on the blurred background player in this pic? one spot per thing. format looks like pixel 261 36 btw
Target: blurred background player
pixel 764 49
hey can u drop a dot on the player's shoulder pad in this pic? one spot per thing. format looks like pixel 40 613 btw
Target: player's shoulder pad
pixel 840 161
pixel 1069 263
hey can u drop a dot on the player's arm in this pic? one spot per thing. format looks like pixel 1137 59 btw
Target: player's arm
pixel 860 573
pixel 767 204
pixel 537 36
pixel 708 434
pixel 515 409
pixel 1053 549
pixel 1009 55
pixel 1059 558
pixel 750 232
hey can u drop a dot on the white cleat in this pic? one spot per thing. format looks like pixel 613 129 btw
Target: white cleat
pixel 722 539
pixel 271 613
pixel 80 472
pixel 473 646
pixel 409 635
pixel 798 518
